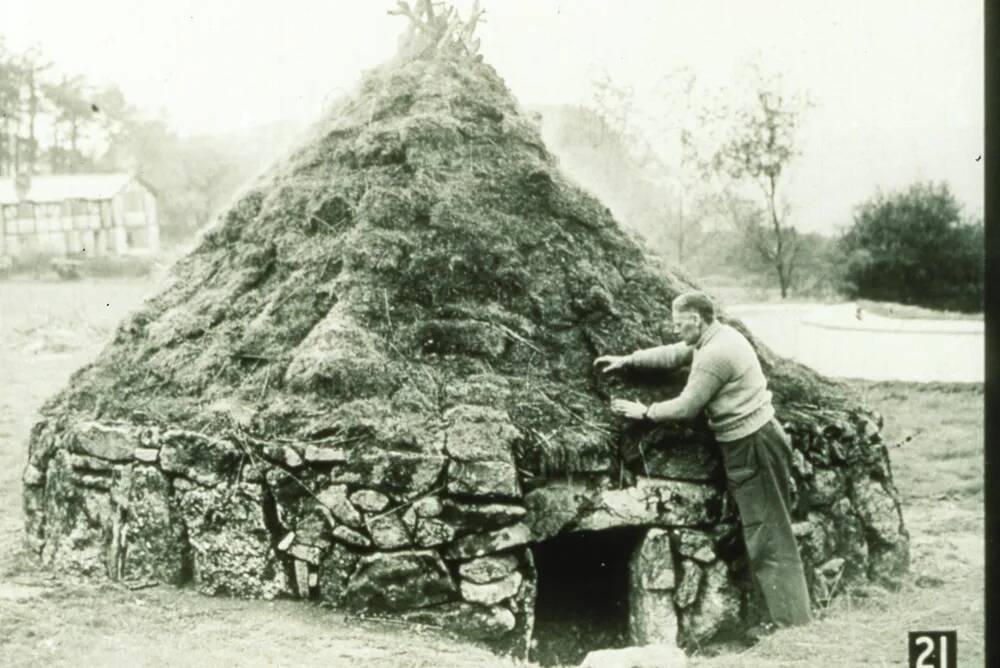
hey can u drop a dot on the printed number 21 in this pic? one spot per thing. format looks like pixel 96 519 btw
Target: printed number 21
pixel 928 644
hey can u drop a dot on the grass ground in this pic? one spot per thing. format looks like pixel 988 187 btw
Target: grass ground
pixel 47 330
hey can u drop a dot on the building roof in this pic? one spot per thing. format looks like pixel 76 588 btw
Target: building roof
pixel 61 187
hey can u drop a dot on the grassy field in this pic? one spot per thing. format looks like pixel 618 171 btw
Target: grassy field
pixel 47 330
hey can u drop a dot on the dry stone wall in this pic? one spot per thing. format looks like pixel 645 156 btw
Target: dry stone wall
pixel 425 537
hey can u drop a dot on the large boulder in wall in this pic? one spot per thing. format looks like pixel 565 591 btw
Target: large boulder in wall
pixel 370 384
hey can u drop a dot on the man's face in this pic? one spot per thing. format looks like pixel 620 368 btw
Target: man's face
pixel 687 324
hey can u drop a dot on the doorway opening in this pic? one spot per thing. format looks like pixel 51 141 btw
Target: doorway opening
pixel 582 601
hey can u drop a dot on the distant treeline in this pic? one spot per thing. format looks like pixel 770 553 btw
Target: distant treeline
pixel 916 246
pixel 57 123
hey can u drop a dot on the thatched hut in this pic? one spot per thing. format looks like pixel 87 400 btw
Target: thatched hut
pixel 371 385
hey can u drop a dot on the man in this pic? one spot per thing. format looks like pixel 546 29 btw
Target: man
pixel 726 380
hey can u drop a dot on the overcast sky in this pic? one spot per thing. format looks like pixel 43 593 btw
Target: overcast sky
pixel 897 84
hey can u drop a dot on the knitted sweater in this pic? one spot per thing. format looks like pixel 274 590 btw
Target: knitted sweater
pixel 726 380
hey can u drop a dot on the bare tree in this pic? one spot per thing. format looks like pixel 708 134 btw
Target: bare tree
pixel 759 149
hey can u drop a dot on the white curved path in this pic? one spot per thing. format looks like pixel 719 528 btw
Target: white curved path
pixel 835 342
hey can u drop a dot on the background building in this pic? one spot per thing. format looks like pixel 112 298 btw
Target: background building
pixel 77 214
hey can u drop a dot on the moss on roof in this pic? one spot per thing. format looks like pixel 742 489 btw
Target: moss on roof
pixel 420 251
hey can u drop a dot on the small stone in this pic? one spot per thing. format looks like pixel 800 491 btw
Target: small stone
pixel 292 457
pixel 483 479
pixel 351 537
pixel 334 498
pixel 480 516
pixel 307 553
pixel 147 455
pixel 104 441
pixel 491 593
pixel 431 532
pixel 687 591
pixel 387 531
pixel 478 545
pixel 313 579
pixel 32 476
pixel 488 569
pixel 429 506
pixel 287 541
pixel 648 656
pixel 653 562
pixel 833 567
pixel 369 500
pixel 302 578
pixel 316 455
pixel 696 544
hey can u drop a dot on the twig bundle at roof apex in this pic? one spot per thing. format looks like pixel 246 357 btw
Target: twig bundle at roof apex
pixel 436 28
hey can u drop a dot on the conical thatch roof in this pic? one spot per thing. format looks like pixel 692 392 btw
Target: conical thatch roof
pixel 359 383
pixel 422 249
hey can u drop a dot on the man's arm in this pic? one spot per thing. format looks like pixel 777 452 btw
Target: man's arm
pixel 669 356
pixel 700 388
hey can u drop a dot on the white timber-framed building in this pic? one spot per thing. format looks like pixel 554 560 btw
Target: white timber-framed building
pixel 81 215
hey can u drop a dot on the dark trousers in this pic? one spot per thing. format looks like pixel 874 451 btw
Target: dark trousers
pixel 757 473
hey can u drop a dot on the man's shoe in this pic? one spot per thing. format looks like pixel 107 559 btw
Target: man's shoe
pixel 755 634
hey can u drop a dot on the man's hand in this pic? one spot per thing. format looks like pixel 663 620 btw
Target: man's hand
pixel 611 362
pixel 633 410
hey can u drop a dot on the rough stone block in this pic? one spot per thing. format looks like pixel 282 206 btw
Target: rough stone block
pixel 146 455
pixel 292 457
pixel 307 553
pixel 692 461
pixel 479 433
pixel 488 569
pixel 686 592
pixel 429 532
pixel 554 507
pixel 155 535
pixel 406 474
pixel 230 545
pixel 466 516
pixel 483 479
pixel 369 500
pixel 491 593
pixel 652 564
pixel 350 536
pixel 387 531
pixel 825 487
pixel 334 572
pixel 334 498
pixel 205 460
pixel 108 442
pixel 695 544
pixel 399 581
pixel 32 476
pixel 478 545
pixel 318 455
pixel 631 506
pixel 717 608
pixel 429 506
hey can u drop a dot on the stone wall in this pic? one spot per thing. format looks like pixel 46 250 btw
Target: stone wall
pixel 444 538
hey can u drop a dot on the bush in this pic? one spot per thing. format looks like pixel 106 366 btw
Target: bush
pixel 915 247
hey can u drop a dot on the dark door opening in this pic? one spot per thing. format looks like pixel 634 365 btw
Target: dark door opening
pixel 582 601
